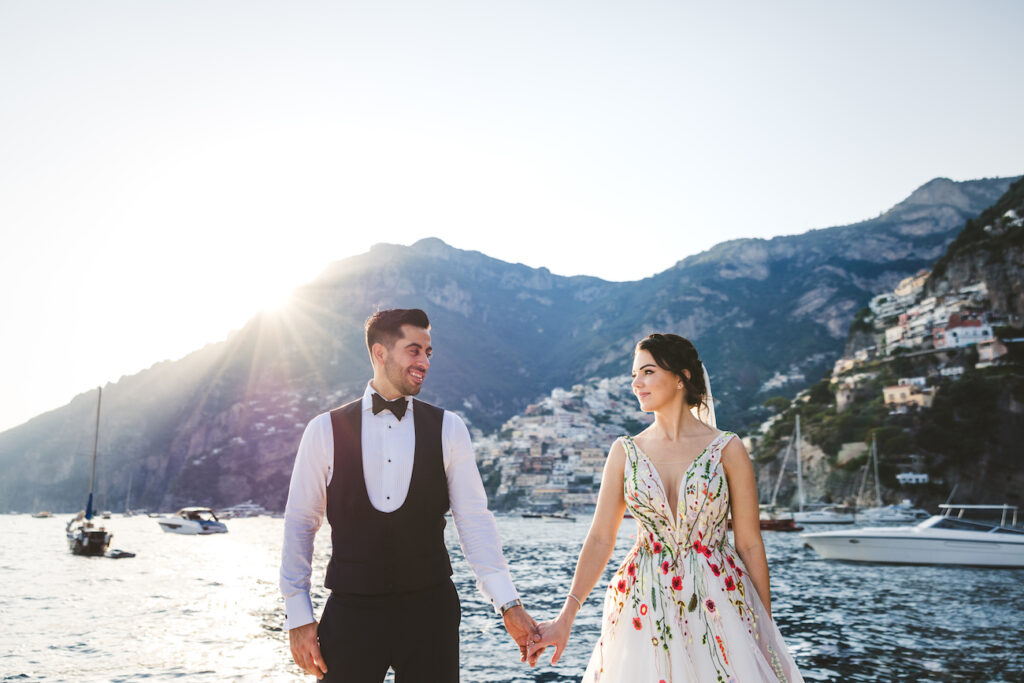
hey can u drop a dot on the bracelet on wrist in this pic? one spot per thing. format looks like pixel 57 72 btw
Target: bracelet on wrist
pixel 509 605
pixel 576 599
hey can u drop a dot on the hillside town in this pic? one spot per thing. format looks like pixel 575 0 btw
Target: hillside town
pixel 907 322
pixel 551 456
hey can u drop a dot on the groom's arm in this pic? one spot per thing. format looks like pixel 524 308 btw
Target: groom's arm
pixel 478 533
pixel 303 514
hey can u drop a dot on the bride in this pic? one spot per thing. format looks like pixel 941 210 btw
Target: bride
pixel 685 604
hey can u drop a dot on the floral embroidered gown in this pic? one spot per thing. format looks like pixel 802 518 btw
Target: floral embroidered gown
pixel 681 608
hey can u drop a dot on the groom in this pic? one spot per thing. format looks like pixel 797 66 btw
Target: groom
pixel 385 468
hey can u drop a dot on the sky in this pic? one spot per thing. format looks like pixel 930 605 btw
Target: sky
pixel 167 170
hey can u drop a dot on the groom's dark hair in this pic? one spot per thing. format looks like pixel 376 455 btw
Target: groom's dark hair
pixel 385 327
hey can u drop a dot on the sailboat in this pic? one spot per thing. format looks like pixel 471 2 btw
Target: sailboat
pixel 84 537
pixel 821 514
pixel 881 513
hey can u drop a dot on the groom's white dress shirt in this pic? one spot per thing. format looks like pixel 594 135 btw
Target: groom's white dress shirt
pixel 388 450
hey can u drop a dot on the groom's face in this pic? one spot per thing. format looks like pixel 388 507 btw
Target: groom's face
pixel 407 361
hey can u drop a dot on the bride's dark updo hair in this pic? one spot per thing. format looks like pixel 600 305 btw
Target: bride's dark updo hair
pixel 676 354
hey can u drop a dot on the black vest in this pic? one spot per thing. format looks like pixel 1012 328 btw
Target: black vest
pixel 374 552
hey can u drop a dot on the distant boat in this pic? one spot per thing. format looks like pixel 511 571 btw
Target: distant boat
pixel 246 509
pixel 771 517
pixel 84 537
pixel 881 513
pixel 532 515
pixel 193 521
pixel 939 540
pixel 823 514
pixel 42 514
pixel 559 517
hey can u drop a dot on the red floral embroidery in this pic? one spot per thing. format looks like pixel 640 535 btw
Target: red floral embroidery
pixel 716 570
pixel 706 550
pixel 643 608
pixel 657 548
pixel 728 558
pixel 637 624
pixel 739 572
pixel 664 567
pixel 730 584
pixel 631 569
pixel 677 583
pixel 696 546
pixel 621 585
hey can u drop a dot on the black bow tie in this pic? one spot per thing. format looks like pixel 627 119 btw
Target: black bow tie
pixel 397 407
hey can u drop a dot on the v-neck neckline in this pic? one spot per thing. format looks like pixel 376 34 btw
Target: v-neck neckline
pixel 682 478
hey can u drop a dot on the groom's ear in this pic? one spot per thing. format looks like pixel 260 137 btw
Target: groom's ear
pixel 378 352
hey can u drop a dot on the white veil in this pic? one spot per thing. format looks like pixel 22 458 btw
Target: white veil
pixel 705 412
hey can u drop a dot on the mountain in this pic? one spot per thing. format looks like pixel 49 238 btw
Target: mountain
pixel 221 425
pixel 967 438
pixel 990 249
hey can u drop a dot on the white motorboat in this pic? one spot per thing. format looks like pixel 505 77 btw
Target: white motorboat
pixel 193 521
pixel 939 540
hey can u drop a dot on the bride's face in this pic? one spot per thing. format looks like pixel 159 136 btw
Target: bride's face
pixel 653 385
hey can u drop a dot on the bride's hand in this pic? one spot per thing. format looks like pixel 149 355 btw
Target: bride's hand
pixel 553 633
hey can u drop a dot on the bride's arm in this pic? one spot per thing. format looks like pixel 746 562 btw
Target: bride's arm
pixel 597 549
pixel 746 523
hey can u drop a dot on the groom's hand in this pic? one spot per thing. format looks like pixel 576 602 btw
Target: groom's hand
pixel 306 649
pixel 523 630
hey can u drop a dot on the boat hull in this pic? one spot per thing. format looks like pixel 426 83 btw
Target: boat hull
pixel 89 542
pixel 914 548
pixel 188 527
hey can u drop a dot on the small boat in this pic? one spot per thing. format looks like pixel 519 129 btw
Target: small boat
pixel 774 523
pixel 193 521
pixel 558 517
pixel 823 513
pixel 899 512
pixel 532 515
pixel 827 514
pixel 84 537
pixel 246 509
pixel 944 539
pixel 881 513
pixel 42 514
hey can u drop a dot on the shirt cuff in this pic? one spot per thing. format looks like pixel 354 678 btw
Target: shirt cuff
pixel 500 589
pixel 298 611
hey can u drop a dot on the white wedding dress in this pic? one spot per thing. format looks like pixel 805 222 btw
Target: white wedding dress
pixel 681 608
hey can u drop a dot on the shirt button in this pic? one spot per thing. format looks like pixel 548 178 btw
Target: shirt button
pixel 389 497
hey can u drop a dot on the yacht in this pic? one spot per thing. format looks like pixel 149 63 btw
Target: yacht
pixel 945 539
pixel 193 521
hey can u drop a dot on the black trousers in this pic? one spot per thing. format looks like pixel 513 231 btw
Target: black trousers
pixel 415 633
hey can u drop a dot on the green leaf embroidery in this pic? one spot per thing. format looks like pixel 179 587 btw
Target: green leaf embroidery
pixel 693 603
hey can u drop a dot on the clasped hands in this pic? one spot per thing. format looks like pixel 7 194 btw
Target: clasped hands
pixel 533 638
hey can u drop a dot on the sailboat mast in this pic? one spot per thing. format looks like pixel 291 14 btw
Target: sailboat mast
pixel 782 470
pixel 799 467
pixel 874 455
pixel 95 444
